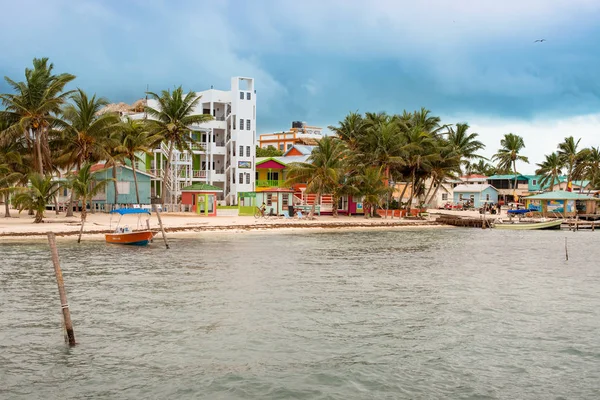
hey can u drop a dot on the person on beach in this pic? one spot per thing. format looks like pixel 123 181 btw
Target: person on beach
pixel 263 208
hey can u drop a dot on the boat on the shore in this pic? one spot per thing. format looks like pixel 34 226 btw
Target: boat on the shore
pixel 123 235
pixel 527 226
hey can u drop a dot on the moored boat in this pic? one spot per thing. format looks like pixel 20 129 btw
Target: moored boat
pixel 122 235
pixel 553 224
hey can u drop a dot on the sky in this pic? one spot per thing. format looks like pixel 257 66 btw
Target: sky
pixel 471 61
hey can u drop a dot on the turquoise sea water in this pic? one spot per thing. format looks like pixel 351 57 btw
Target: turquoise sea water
pixel 433 313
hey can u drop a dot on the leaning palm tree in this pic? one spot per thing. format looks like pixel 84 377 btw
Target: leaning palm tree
pixel 508 155
pixel 33 108
pixel 572 158
pixel 322 171
pixel 134 139
pixel 171 122
pixel 40 192
pixel 85 134
pixel 85 186
pixel 550 170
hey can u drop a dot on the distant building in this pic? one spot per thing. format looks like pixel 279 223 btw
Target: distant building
pixel 478 195
pixel 300 133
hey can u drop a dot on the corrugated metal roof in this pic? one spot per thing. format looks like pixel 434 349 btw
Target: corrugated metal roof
pixel 197 187
pixel 560 195
pixel 472 188
pixel 499 177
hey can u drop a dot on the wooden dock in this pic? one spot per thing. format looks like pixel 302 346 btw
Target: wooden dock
pixel 575 225
pixel 455 220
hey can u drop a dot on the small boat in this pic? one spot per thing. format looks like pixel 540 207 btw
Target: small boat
pixel 123 235
pixel 526 226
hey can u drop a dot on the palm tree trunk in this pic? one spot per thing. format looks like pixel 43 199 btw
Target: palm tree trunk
pixel 402 195
pixel 311 214
pixel 39 216
pixel 515 185
pixel 429 190
pixel 114 175
pixel 6 205
pixel 163 194
pixel 83 217
pixel 412 190
pixel 334 209
pixel 137 191
pixel 56 205
pixel 70 206
pixel 38 151
pixel 435 192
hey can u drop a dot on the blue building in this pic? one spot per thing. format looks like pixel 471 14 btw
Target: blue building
pixel 125 185
pixel 478 195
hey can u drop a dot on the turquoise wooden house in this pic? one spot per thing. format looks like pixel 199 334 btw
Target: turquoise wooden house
pixel 125 185
pixel 478 195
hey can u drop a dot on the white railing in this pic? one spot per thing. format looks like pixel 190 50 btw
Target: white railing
pixel 199 174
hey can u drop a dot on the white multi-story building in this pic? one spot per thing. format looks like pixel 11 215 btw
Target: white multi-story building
pixel 225 152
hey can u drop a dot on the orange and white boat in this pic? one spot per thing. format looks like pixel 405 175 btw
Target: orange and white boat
pixel 123 235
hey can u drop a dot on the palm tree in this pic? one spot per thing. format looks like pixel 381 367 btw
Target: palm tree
pixel 592 166
pixel 322 171
pixel 508 155
pixel 572 158
pixel 40 192
pixel 34 107
pixel 421 151
pixel 85 135
pixel 370 184
pixel 481 167
pixel 171 121
pixel 464 143
pixel 133 140
pixel 85 186
pixel 550 170
pixel 350 130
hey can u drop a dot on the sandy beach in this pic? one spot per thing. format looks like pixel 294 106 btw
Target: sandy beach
pixel 21 226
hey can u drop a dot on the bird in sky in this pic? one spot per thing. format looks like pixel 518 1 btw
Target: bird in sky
pixel 539 40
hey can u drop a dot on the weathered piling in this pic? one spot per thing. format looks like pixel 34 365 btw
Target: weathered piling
pixel 162 229
pixel 566 250
pixel 61 290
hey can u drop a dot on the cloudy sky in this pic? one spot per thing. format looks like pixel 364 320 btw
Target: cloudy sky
pixel 469 61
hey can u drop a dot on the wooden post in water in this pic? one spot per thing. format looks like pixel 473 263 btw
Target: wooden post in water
pixel 162 229
pixel 61 290
pixel 566 250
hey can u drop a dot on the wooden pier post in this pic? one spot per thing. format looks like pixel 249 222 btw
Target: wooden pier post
pixel 566 250
pixel 162 229
pixel 61 290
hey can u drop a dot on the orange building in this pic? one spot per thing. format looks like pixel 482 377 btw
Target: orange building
pixel 299 133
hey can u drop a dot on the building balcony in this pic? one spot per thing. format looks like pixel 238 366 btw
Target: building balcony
pixel 270 183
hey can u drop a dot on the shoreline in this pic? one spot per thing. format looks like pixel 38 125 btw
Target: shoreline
pixel 69 229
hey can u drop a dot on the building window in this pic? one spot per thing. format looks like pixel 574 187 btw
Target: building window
pixel 247 151
pixel 281 146
pixel 269 199
pixel 123 187
pixel 241 95
pixel 272 176
pixel 241 178
pixel 248 96
pixel 241 124
pixel 241 151
pixel 256 177
pixel 248 125
pixel 247 178
pixel 534 182
pixel 444 196
pixel 487 197
pixel 284 200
